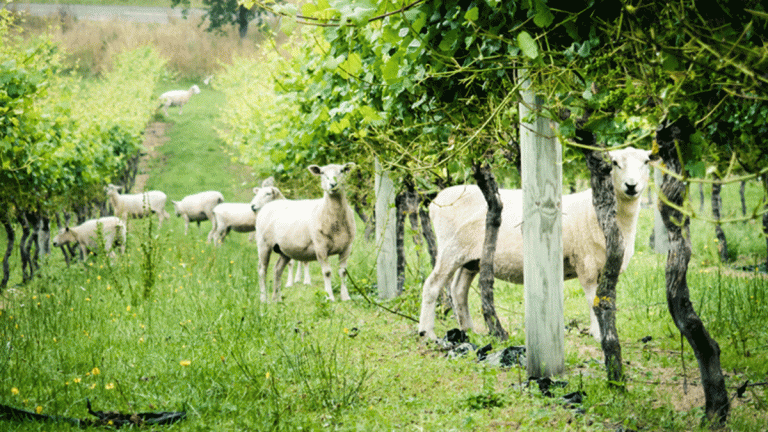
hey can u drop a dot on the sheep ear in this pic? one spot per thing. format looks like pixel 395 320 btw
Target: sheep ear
pixel 314 169
pixel 256 190
pixel 653 155
pixel 269 181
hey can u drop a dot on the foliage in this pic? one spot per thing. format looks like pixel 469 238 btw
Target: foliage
pixel 221 13
pixel 63 138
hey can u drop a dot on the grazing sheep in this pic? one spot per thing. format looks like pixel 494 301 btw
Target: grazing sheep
pixel 177 98
pixel 86 234
pixel 197 208
pixel 293 277
pixel 137 205
pixel 240 217
pixel 458 215
pixel 308 230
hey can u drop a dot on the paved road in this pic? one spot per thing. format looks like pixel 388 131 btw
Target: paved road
pixel 107 13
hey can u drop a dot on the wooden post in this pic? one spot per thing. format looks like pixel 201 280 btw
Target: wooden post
pixel 542 241
pixel 386 261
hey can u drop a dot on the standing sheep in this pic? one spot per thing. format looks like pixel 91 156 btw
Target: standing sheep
pixel 308 230
pixel 177 98
pixel 458 215
pixel 137 205
pixel 240 217
pixel 197 208
pixel 86 234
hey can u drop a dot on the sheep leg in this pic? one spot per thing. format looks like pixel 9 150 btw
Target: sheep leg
pixel 212 233
pixel 186 224
pixel 440 276
pixel 343 273
pixel 307 278
pixel 590 290
pixel 282 261
pixel 322 258
pixel 264 253
pixel 291 266
pixel 460 294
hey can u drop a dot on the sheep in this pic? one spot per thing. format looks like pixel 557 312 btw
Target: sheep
pixel 239 216
pixel 293 277
pixel 177 98
pixel 198 207
pixel 308 230
pixel 458 215
pixel 86 234
pixel 137 205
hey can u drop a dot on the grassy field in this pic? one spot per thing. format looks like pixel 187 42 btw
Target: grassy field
pixel 175 324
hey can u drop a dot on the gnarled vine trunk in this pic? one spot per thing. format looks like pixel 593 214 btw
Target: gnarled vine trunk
pixel 10 234
pixel 487 184
pixel 706 349
pixel 717 204
pixel 604 201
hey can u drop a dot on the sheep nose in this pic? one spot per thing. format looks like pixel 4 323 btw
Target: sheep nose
pixel 631 188
pixel 254 209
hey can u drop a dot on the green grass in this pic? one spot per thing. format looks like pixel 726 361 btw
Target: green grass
pixel 176 324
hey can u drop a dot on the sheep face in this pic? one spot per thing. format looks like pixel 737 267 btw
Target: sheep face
pixel 331 176
pixel 63 237
pixel 195 89
pixel 264 195
pixel 111 189
pixel 630 172
pixel 177 208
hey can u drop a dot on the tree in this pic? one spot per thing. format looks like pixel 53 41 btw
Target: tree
pixel 221 13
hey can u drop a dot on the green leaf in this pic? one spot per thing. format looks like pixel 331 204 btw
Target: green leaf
pixel 543 16
pixel 527 45
pixel 472 14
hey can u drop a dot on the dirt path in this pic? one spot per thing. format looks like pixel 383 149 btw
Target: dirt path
pixel 154 137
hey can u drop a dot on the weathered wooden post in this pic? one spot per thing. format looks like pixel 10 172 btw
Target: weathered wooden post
pixel 542 240
pixel 386 261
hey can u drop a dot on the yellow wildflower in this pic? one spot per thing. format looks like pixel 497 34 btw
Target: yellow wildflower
pixel 185 362
pixel 95 371
pixel 39 409
pixel 14 391
pixel 109 386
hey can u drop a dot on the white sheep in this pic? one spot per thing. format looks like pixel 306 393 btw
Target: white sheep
pixel 240 217
pixel 137 205
pixel 308 230
pixel 177 98
pixel 458 215
pixel 293 276
pixel 197 208
pixel 86 234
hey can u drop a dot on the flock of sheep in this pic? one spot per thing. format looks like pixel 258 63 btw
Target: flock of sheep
pixel 315 229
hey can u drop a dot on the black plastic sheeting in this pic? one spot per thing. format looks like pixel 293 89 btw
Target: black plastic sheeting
pixel 103 418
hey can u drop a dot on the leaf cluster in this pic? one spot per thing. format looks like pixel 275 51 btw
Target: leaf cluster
pixel 62 139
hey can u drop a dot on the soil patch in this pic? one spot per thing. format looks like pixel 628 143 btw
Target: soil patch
pixel 154 137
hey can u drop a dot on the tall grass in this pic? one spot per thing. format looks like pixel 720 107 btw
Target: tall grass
pixel 190 50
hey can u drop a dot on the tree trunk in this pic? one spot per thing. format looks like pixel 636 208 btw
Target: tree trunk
pixel 487 183
pixel 242 21
pixel 26 262
pixel 429 235
pixel 604 201
pixel 717 203
pixel 11 236
pixel 400 240
pixel 765 221
pixel 44 235
pixel 706 349
pixel 742 192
